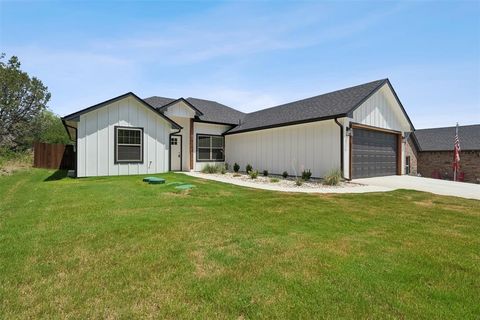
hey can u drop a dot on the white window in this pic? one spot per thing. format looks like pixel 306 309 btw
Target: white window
pixel 210 148
pixel 128 145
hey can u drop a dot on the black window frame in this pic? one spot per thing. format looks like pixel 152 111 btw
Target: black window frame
pixel 210 148
pixel 115 151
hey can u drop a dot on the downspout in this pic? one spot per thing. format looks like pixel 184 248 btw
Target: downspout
pixel 341 149
pixel 170 149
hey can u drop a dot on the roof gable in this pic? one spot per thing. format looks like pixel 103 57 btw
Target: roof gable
pixel 179 108
pixel 182 101
pixel 76 115
pixel 382 109
pixel 326 106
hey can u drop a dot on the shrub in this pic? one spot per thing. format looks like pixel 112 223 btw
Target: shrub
pixel 298 182
pixel 265 173
pixel 274 180
pixel 285 174
pixel 223 170
pixel 253 174
pixel 306 174
pixel 248 168
pixel 211 168
pixel 236 167
pixel 226 166
pixel 333 178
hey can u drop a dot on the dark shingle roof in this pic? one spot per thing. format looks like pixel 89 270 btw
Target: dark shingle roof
pixel 77 114
pixel 441 139
pixel 326 106
pixel 212 111
pixel 158 102
pixel 336 103
pixel 216 112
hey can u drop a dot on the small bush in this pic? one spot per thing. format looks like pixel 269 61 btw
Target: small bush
pixel 333 178
pixel 223 170
pixel 285 174
pixel 265 173
pixel 274 180
pixel 306 174
pixel 226 166
pixel 253 174
pixel 236 167
pixel 248 168
pixel 299 182
pixel 212 168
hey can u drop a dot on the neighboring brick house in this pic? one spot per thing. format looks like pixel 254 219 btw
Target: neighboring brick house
pixel 411 156
pixel 434 152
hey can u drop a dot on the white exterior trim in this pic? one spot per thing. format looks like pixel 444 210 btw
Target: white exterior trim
pixel 95 143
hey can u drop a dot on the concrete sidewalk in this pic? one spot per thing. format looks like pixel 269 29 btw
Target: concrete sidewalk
pixel 441 187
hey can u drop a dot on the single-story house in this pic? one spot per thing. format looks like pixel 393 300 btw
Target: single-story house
pixel 431 152
pixel 361 130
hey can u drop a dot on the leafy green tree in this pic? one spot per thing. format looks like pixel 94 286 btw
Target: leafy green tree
pixel 22 100
pixel 48 127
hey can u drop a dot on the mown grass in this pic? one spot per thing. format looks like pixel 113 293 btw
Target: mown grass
pixel 119 248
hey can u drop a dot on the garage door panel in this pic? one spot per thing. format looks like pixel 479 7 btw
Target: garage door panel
pixel 374 153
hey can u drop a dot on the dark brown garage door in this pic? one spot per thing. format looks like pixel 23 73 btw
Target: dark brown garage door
pixel 374 153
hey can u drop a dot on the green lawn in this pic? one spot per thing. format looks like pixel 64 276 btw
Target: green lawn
pixel 119 248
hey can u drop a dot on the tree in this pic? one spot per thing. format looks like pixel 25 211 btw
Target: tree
pixel 48 127
pixel 22 100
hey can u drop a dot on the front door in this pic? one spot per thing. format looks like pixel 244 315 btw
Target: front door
pixel 176 153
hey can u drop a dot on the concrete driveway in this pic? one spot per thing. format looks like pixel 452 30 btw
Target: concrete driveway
pixel 442 187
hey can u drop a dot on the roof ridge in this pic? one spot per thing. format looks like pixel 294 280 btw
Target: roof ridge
pixel 323 94
pixel 224 105
pixel 160 97
pixel 450 127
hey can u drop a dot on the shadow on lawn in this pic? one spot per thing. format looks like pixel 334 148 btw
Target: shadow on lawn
pixel 57 175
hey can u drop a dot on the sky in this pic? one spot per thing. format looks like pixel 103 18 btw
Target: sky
pixel 251 54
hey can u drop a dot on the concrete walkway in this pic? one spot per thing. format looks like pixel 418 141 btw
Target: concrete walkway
pixel 378 184
pixel 441 187
pixel 349 188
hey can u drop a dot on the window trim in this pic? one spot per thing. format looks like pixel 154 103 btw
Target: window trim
pixel 115 145
pixel 210 148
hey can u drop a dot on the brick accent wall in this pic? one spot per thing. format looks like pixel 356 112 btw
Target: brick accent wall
pixel 411 151
pixel 428 161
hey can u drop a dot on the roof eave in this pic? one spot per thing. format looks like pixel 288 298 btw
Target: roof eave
pixel 285 124
pixel 76 115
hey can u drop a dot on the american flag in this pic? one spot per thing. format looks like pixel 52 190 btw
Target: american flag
pixel 456 153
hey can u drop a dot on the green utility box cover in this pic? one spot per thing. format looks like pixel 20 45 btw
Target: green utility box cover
pixel 154 180
pixel 185 187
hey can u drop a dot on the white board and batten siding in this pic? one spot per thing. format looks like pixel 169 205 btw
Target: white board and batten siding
pixel 314 146
pixel 209 129
pixel 381 110
pixel 95 144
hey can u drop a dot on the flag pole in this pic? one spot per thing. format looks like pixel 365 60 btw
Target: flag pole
pixel 455 167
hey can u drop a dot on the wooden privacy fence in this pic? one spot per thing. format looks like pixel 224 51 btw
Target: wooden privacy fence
pixel 53 156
